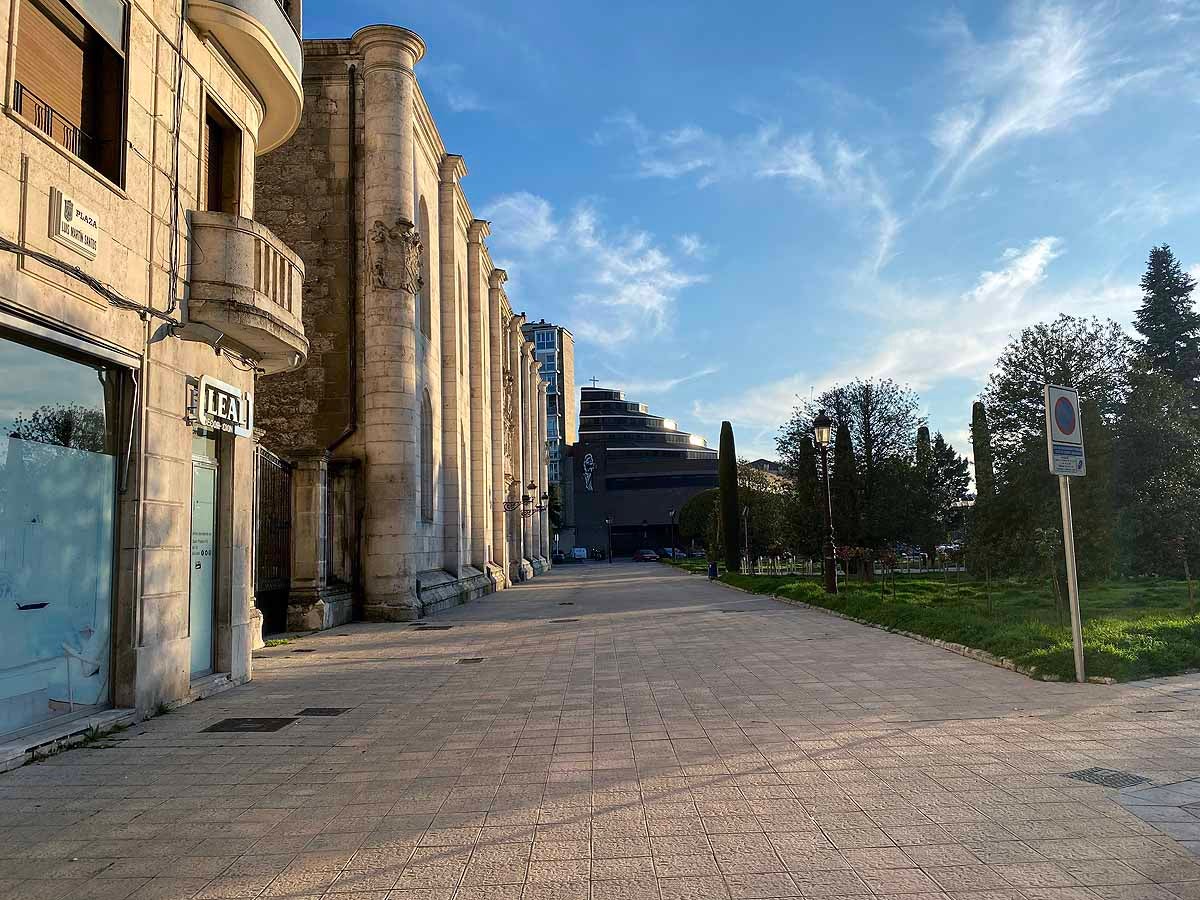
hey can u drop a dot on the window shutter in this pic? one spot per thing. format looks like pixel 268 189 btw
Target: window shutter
pixel 206 164
pixel 50 63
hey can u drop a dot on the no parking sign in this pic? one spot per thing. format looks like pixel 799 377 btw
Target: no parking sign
pixel 1064 431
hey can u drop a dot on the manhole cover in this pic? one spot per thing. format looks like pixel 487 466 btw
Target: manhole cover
pixel 306 650
pixel 323 711
pixel 435 628
pixel 562 621
pixel 250 725
pixel 1108 777
pixel 470 660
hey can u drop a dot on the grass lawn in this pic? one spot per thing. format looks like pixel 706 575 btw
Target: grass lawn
pixel 1131 629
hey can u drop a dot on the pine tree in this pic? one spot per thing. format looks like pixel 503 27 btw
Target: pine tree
pixel 1169 322
pixel 730 508
pixel 804 513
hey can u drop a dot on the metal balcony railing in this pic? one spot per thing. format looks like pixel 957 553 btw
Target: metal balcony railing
pixel 50 122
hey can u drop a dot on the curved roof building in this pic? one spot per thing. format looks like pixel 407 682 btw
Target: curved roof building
pixel 635 469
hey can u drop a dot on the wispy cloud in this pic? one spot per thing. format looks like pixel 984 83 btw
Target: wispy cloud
pixel 634 386
pixel 843 176
pixel 692 245
pixel 450 82
pixel 621 283
pixel 1057 65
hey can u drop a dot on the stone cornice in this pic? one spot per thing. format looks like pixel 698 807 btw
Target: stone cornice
pixel 453 168
pixel 406 47
pixel 477 231
pixel 496 277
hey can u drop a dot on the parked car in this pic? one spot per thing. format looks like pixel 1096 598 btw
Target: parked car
pixel 673 553
pixel 557 557
pixel 645 556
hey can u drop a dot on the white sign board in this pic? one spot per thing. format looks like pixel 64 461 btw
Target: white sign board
pixel 224 407
pixel 73 225
pixel 1064 431
pixel 579 553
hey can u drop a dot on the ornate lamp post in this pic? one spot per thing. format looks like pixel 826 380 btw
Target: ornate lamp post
pixel 608 526
pixel 822 425
pixel 527 507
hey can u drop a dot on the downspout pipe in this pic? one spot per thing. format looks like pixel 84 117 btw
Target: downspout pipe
pixel 352 258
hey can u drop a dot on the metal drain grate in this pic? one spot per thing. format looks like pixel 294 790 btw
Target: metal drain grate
pixel 323 711
pixel 305 650
pixel 470 660
pixel 567 603
pixel 249 725
pixel 1108 777
pixel 562 621
pixel 435 628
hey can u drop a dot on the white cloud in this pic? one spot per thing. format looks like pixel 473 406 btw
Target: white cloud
pixel 448 80
pixel 1055 67
pixel 692 245
pixel 620 284
pixel 936 339
pixel 636 387
pixel 843 176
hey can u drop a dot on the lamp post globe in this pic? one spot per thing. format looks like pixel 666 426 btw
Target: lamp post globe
pixel 822 426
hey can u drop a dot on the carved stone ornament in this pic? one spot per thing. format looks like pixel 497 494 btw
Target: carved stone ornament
pixel 396 256
pixel 508 414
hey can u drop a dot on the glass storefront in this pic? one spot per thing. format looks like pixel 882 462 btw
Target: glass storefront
pixel 57 499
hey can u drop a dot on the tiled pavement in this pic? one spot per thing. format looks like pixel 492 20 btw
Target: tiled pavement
pixel 672 739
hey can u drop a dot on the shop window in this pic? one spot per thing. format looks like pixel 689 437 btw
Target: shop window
pixel 70 77
pixel 426 458
pixel 220 162
pixel 57 498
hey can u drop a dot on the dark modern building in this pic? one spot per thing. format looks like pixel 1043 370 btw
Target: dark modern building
pixel 633 468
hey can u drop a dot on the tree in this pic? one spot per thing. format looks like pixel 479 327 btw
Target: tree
pixel 981 446
pixel 844 488
pixel 940 483
pixel 696 515
pixel 555 508
pixel 763 499
pixel 731 511
pixel 803 503
pixel 63 425
pixel 1168 322
pixel 1091 355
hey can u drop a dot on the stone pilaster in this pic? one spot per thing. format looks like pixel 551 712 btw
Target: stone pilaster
pixel 311 603
pixel 520 442
pixel 480 378
pixel 528 428
pixel 389 377
pixel 545 469
pixel 498 350
pixel 455 468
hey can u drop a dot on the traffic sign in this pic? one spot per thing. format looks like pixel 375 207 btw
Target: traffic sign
pixel 1064 431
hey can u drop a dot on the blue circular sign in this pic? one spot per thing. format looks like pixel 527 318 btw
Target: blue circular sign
pixel 1064 415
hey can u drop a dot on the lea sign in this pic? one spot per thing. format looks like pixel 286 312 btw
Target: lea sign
pixel 224 407
pixel 1064 431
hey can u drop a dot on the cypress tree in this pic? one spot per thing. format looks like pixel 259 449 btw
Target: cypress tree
pixel 730 509
pixel 981 443
pixel 1168 322
pixel 844 486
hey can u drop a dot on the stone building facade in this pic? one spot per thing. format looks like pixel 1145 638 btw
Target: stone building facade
pixel 139 300
pixel 420 417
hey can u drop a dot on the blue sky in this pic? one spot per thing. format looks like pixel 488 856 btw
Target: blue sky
pixel 731 206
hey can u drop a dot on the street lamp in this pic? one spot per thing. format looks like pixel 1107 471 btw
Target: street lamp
pixel 608 526
pixel 821 428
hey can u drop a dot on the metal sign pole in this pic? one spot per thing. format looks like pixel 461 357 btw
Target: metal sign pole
pixel 1064 496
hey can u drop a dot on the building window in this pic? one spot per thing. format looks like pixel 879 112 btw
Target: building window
pixel 70 78
pixel 552 471
pixel 220 162
pixel 543 339
pixel 552 429
pixel 424 303
pixel 426 458
pixel 57 500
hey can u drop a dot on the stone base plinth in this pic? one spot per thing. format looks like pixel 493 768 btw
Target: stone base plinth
pixel 437 589
pixel 540 564
pixel 496 576
pixel 332 607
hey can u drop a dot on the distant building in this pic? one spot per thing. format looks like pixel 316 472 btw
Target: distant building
pixel 772 469
pixel 554 347
pixel 634 468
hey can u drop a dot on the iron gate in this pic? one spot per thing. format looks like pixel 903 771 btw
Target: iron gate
pixel 273 538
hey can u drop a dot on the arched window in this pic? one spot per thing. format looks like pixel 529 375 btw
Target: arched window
pixel 424 303
pixel 426 458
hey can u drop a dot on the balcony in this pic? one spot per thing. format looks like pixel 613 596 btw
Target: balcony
pixel 263 39
pixel 247 284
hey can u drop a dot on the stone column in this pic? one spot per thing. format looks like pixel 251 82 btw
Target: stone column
pixel 455 471
pixel 521 369
pixel 498 351
pixel 516 370
pixel 545 469
pixel 479 374
pixel 310 480
pixel 389 377
pixel 535 459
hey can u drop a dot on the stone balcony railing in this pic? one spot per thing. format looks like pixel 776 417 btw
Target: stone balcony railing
pixel 247 284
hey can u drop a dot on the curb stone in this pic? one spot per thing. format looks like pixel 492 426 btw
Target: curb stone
pixel 1000 662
